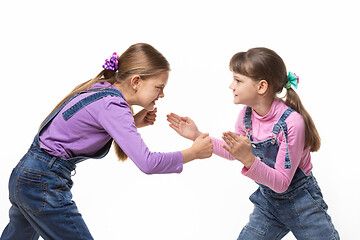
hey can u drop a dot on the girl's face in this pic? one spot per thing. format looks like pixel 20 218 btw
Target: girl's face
pixel 245 89
pixel 151 89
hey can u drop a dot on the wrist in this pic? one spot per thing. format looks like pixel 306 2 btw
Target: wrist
pixel 188 155
pixel 196 135
pixel 248 164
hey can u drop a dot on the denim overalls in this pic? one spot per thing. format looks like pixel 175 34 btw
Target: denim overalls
pixel 40 187
pixel 300 209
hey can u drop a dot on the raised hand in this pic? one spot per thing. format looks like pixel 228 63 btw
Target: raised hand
pixel 184 126
pixel 145 118
pixel 239 147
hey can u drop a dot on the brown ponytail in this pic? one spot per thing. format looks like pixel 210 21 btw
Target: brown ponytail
pixel 139 59
pixel 312 136
pixel 265 64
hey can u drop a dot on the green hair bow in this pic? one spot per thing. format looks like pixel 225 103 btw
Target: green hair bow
pixel 292 80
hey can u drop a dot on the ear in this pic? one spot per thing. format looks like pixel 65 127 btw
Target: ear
pixel 135 82
pixel 263 87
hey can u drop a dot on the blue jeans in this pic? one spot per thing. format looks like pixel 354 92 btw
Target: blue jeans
pixel 301 210
pixel 41 200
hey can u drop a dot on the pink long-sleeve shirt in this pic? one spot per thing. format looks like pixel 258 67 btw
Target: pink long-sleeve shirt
pixel 277 178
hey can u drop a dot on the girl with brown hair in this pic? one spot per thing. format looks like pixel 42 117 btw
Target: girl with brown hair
pixel 84 125
pixel 273 139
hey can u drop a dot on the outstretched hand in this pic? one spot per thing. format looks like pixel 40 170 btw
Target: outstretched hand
pixel 184 126
pixel 145 118
pixel 239 147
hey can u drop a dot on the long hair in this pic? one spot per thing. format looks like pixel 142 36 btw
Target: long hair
pixel 139 59
pixel 265 64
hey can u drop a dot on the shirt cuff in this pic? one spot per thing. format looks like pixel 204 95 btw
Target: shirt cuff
pixel 180 162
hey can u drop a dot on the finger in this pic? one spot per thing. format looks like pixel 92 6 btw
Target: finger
pixel 208 138
pixel 174 127
pixel 142 112
pixel 173 120
pixel 151 114
pixel 227 141
pixel 175 116
pixel 233 135
pixel 234 138
pixel 150 121
pixel 204 135
pixel 152 111
pixel 150 117
pixel 229 136
pixel 226 148
pixel 185 119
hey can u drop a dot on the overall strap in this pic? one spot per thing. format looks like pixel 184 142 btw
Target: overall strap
pixel 58 109
pixel 281 125
pixel 50 117
pixel 90 99
pixel 247 120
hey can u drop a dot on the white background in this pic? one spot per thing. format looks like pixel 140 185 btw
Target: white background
pixel 49 47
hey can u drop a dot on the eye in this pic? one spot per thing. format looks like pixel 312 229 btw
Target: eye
pixel 160 88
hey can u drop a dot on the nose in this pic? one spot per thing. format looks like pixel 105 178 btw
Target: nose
pixel 161 95
pixel 231 86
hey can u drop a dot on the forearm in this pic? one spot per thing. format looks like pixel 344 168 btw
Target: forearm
pixel 219 150
pixel 267 176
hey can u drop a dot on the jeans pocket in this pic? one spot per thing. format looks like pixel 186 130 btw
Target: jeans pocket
pixel 312 214
pixel 59 194
pixel 316 197
pixel 31 191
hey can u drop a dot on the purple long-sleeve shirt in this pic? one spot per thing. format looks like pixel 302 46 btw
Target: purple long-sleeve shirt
pixel 93 126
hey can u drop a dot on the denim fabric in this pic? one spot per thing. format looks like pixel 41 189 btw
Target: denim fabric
pixel 271 145
pixel 40 190
pixel 300 209
pixel 42 201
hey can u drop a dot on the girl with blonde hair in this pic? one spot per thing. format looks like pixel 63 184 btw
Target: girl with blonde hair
pixel 95 115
